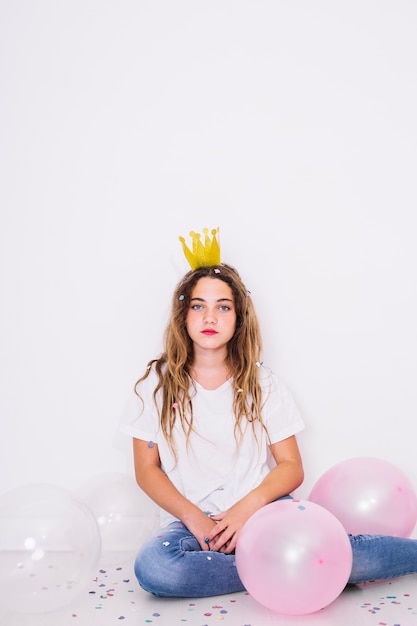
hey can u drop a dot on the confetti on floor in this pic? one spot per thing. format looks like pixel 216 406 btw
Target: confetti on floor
pixel 388 608
pixel 114 597
pixel 118 598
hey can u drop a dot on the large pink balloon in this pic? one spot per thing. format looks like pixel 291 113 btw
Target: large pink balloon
pixel 368 495
pixel 294 557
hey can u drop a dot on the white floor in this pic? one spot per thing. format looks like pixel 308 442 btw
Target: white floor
pixel 114 598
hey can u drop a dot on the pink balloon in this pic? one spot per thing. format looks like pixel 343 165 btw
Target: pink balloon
pixel 368 495
pixel 294 557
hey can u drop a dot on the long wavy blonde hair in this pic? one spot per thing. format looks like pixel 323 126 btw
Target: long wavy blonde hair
pixel 175 385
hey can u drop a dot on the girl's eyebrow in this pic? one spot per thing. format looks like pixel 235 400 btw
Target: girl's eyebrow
pixel 219 300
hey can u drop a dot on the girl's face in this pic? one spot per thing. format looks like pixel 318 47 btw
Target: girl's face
pixel 211 317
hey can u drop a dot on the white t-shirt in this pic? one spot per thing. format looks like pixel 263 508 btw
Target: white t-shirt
pixel 211 471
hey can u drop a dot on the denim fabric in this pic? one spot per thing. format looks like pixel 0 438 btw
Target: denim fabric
pixel 379 557
pixel 172 563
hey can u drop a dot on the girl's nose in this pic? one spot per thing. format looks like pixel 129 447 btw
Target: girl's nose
pixel 210 317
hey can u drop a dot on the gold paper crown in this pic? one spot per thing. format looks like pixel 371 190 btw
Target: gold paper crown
pixel 204 254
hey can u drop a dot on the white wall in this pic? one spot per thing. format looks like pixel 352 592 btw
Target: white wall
pixel 292 126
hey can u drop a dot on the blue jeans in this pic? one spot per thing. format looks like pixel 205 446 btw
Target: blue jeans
pixel 173 564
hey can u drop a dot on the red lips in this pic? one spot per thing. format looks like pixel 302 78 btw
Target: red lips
pixel 209 331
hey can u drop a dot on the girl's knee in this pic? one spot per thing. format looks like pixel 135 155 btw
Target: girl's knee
pixel 159 559
pixel 148 569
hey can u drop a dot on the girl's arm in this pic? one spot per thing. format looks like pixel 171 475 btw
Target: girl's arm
pixel 287 475
pixel 156 484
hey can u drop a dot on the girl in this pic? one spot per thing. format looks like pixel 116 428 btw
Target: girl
pixel 214 440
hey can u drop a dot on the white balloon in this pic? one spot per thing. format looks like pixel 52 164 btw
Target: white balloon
pixel 125 515
pixel 49 548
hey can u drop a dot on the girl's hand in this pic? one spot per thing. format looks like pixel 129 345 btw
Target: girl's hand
pixel 224 535
pixel 201 526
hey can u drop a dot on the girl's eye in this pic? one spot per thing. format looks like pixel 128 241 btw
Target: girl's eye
pixel 224 307
pixel 196 307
